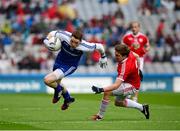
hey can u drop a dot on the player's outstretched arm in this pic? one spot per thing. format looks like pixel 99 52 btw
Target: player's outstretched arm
pixel 112 87
pixel 90 47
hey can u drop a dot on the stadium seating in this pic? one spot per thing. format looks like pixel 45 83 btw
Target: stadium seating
pixel 26 38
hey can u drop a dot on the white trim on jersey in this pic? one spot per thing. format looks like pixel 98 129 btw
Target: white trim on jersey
pixel 64 36
pixel 123 68
pixel 84 45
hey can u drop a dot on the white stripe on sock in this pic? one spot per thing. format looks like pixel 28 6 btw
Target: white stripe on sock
pixel 103 106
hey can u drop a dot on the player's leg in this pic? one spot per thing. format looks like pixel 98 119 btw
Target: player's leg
pixel 52 80
pixel 67 70
pixel 132 104
pixel 122 100
pixel 125 102
pixel 103 106
pixel 135 96
pixel 65 92
pixel 122 97
pixel 67 98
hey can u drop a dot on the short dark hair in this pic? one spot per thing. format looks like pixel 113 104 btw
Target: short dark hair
pixel 77 34
pixel 122 49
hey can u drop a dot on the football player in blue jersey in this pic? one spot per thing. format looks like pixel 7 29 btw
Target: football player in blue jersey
pixel 72 48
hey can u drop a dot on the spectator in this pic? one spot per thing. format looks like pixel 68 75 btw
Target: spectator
pixel 6 40
pixel 176 26
pixel 177 5
pixel 170 41
pixel 166 56
pixel 160 32
pixel 156 57
pixel 168 4
pixel 29 62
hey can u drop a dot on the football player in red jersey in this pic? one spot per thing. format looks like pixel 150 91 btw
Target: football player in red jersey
pixel 127 83
pixel 138 43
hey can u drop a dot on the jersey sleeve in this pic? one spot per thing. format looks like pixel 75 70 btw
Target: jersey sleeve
pixel 147 41
pixel 125 40
pixel 86 46
pixel 63 35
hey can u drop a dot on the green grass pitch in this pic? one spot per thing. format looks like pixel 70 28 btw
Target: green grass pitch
pixel 36 112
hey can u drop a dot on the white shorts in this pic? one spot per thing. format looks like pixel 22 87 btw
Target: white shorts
pixel 124 91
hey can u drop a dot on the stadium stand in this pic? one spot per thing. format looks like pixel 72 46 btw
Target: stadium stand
pixel 24 24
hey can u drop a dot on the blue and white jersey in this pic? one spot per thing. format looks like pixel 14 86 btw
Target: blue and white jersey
pixel 68 55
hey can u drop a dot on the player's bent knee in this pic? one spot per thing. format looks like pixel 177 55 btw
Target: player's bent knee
pixel 119 103
pixel 115 103
pixel 46 81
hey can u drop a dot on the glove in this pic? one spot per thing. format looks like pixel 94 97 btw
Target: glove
pixel 103 62
pixel 97 90
pixel 141 75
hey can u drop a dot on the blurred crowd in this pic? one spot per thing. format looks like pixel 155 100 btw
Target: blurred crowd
pixel 163 39
pixel 25 23
pixel 150 7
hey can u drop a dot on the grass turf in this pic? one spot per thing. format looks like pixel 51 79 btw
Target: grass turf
pixel 36 112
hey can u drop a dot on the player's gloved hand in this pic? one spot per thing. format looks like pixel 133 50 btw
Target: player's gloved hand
pixel 141 75
pixel 97 90
pixel 48 44
pixel 103 62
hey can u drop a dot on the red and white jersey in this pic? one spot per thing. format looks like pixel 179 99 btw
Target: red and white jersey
pixel 136 43
pixel 128 71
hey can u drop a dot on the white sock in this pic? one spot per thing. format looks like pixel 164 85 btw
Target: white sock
pixel 133 104
pixel 103 107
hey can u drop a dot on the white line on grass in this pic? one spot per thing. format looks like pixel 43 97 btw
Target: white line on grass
pixel 76 122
